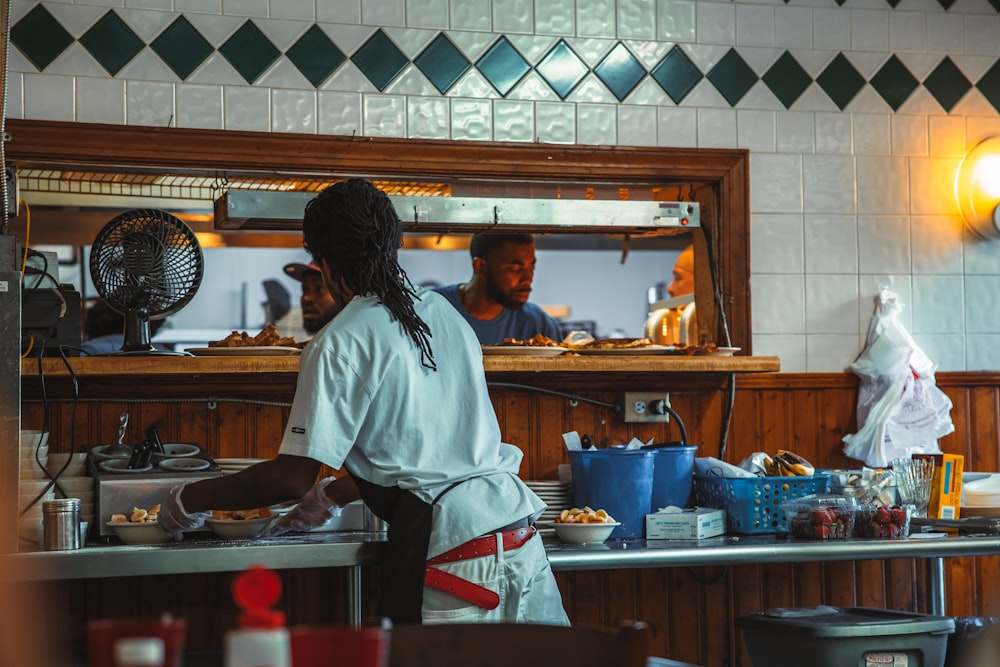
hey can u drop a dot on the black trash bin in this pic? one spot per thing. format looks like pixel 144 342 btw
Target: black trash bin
pixel 970 632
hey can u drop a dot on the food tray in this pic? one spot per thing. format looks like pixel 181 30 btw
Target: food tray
pixel 753 504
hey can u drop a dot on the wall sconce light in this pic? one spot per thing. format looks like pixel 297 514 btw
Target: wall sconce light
pixel 977 188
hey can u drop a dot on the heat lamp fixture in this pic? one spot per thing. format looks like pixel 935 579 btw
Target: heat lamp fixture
pixel 977 188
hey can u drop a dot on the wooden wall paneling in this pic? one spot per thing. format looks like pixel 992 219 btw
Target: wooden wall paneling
pixel 653 605
pixel 266 427
pixel 808 580
pixel 963 585
pixel 904 579
pixel 232 423
pixel 987 572
pixel 983 440
pixel 841 584
pixel 835 419
pixel 870 583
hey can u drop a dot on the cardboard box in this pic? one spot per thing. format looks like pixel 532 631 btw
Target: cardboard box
pixel 694 523
pixel 946 488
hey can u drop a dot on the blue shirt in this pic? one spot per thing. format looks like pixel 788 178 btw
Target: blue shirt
pixel 520 324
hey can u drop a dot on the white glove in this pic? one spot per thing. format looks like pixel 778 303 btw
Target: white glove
pixel 174 519
pixel 313 511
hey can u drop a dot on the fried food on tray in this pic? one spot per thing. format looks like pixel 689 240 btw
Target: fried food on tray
pixel 538 340
pixel 268 336
pixel 615 344
pixel 585 515
pixel 241 515
pixel 137 515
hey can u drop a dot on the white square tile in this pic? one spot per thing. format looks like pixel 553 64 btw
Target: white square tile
pixel 775 183
pixel 199 106
pixel 199 6
pixel 982 304
pixel 979 128
pixel 778 304
pixel 909 135
pixel 637 19
pixel 513 121
pixel 675 21
pixel 595 18
pixel 869 30
pixel 831 304
pixel 907 31
pixel 251 8
pixel 677 126
pixel 871 134
pixel 471 119
pixel 384 13
pixel 870 287
pixel 716 23
pixel 833 133
pixel 339 113
pixel 938 304
pixel 982 34
pixel 149 103
pixel 946 136
pixel 100 101
pixel 946 351
pixel 932 185
pixel 427 14
pixel 795 131
pixel 296 10
pixel 937 245
pixel 636 125
pixel 15 95
pixel 755 130
pixel 777 243
pixel 597 124
pixel 247 108
pixel 831 244
pixel 793 27
pixel 884 244
pixel 346 11
pixel 716 128
pixel 754 25
pixel 826 353
pixel 428 117
pixel 555 123
pixel 385 115
pixel 981 257
pixel 828 184
pixel 831 29
pixel 790 350
pixel 946 32
pixel 555 17
pixel 49 97
pixel 983 352
pixel 883 185
pixel 293 111
pixel 513 16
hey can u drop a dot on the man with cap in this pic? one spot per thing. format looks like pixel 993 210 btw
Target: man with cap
pixel 318 306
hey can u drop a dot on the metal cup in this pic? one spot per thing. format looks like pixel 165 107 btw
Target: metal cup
pixel 373 523
pixel 61 524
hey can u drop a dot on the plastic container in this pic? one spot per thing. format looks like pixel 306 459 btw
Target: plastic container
pixel 835 637
pixel 820 517
pixel 105 635
pixel 883 522
pixel 673 476
pixel 262 640
pixel 322 646
pixel 617 480
pixel 753 504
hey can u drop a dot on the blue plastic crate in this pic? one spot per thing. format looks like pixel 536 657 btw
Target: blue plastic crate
pixel 753 504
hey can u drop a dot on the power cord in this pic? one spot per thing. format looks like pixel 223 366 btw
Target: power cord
pixel 573 397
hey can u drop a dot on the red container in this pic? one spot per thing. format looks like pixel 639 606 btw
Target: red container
pixel 102 635
pixel 324 645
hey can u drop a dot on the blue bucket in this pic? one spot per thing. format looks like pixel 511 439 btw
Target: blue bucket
pixel 672 476
pixel 618 481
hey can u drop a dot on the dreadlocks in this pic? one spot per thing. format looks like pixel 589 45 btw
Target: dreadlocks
pixel 354 227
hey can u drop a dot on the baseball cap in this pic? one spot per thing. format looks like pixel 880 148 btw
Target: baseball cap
pixel 296 270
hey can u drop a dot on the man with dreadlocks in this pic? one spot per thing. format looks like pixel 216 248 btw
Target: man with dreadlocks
pixel 393 391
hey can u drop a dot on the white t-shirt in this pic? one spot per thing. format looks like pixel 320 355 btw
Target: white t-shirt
pixel 364 400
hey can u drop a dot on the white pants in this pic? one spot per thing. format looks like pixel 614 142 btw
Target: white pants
pixel 521 577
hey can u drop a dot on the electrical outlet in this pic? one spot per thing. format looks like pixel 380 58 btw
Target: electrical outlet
pixel 645 406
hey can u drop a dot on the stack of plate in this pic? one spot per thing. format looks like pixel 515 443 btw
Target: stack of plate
pixel 557 495
pixel 981 494
pixel 229 466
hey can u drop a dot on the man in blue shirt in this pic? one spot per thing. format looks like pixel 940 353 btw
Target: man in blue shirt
pixel 495 300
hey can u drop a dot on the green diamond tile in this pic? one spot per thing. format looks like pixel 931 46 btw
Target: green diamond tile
pixel 786 79
pixel 894 82
pixel 620 71
pixel 989 85
pixel 893 3
pixel 315 55
pixel 112 42
pixel 562 69
pixel 249 51
pixel 40 37
pixel 946 3
pixel 947 84
pixel 676 74
pixel 442 63
pixel 732 77
pixel 996 4
pixel 181 47
pixel 380 60
pixel 503 66
pixel 840 81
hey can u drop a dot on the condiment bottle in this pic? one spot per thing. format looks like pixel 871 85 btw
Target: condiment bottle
pixel 262 638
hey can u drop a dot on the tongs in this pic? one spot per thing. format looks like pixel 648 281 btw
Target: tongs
pixel 973 525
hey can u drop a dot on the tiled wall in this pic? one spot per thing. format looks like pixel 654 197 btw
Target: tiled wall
pixel 856 113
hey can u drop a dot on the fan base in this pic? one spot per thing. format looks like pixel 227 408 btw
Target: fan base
pixel 142 353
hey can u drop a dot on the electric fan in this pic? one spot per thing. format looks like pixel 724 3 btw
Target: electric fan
pixel 146 264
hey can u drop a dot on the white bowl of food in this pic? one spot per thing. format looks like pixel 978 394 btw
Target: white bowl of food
pixel 173 450
pixel 139 533
pixel 585 533
pixel 240 524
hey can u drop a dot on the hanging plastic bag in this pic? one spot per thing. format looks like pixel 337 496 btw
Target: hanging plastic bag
pixel 900 411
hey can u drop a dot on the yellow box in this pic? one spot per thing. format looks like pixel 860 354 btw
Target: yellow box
pixel 946 489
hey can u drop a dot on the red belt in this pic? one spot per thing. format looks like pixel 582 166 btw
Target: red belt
pixel 477 548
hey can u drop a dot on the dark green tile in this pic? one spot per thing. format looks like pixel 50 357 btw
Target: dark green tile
pixel 946 3
pixel 562 69
pixel 181 47
pixel 40 37
pixel 996 4
pixel 894 82
pixel 676 74
pixel 947 84
pixel 989 85
pixel 732 77
pixel 315 55
pixel 620 71
pixel 249 51
pixel 840 81
pixel 503 66
pixel 893 3
pixel 112 42
pixel 380 60
pixel 442 63
pixel 786 79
